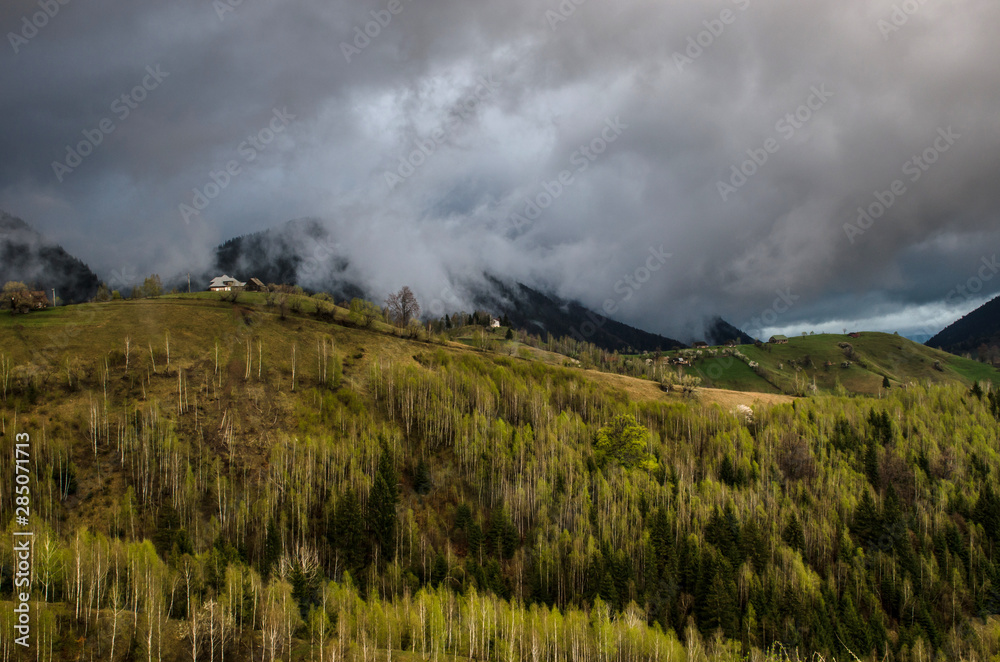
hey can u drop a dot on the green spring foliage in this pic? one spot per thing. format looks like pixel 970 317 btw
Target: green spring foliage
pixel 442 502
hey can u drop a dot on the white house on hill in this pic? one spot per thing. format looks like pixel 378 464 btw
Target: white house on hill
pixel 224 284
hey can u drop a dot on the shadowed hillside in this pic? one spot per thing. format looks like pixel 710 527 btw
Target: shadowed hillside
pixel 976 334
pixel 27 257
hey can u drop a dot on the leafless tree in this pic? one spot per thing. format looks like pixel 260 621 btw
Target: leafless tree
pixel 402 306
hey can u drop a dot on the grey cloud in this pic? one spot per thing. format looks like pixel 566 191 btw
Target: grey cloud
pixel 657 184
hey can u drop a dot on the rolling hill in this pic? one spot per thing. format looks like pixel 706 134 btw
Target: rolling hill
pixel 836 363
pixel 259 481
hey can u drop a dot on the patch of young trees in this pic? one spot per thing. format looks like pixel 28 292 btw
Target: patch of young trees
pixel 564 521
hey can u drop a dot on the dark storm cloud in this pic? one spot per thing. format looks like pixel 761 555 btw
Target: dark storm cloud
pixel 749 134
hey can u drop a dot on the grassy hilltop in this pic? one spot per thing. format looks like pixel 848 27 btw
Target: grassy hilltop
pixel 233 478
pixel 836 363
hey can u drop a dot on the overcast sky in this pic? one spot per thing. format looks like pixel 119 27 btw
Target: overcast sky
pixel 591 147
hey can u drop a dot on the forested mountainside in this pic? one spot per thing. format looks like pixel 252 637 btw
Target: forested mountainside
pixel 26 256
pixel 977 334
pixel 218 480
pixel 300 251
pixel 544 314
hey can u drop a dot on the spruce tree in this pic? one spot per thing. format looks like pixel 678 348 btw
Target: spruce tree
pixel 348 533
pixel 463 516
pixel 422 478
pixel 987 513
pixel 793 534
pixel 867 521
pixel 608 592
pixel 272 549
pixel 475 535
pixel 753 545
pixel 502 537
pixel 439 570
pixel 871 464
pixel 382 508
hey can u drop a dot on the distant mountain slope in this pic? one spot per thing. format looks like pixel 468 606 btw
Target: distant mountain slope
pixel 719 332
pixel 299 252
pixel 304 252
pixel 978 328
pixel 540 313
pixel 25 255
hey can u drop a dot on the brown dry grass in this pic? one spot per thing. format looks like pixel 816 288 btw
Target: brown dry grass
pixel 644 389
pixel 729 399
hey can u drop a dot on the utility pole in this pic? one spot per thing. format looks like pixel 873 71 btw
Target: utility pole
pixel 189 282
pixel 53 297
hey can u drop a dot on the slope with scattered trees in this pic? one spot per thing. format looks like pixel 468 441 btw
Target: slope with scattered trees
pixel 219 479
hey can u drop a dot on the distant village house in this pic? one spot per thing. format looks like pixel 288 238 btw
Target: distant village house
pixel 700 344
pixel 225 284
pixel 255 285
pixel 778 340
